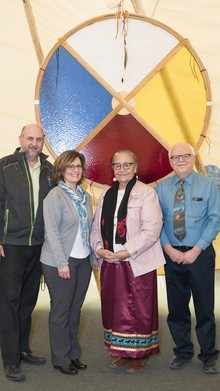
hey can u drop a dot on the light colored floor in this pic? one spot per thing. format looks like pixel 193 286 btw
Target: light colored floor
pixel 100 376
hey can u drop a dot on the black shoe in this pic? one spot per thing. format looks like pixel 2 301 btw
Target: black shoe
pixel 211 366
pixel 13 372
pixel 178 362
pixel 67 369
pixel 31 359
pixel 78 364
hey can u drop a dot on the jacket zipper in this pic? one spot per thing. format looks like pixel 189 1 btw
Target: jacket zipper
pixel 30 203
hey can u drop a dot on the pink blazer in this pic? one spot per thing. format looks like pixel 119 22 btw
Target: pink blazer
pixel 144 224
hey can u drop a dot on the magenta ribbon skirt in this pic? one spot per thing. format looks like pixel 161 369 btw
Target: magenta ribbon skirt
pixel 129 311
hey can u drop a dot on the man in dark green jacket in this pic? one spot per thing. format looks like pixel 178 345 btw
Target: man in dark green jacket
pixel 25 180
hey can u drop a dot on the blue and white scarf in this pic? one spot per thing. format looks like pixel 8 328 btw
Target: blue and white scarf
pixel 79 199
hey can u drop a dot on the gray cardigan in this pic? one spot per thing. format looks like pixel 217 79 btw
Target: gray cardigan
pixel 61 221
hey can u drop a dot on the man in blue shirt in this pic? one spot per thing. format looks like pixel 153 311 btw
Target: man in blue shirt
pixel 190 261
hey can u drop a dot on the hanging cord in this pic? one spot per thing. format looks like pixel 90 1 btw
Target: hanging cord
pixel 208 142
pixel 122 16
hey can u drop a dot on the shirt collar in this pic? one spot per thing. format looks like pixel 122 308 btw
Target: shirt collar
pixel 37 164
pixel 188 179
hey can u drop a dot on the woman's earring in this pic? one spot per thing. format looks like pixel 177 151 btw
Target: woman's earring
pixel 114 179
pixel 136 176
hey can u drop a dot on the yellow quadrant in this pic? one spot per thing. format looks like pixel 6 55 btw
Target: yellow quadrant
pixel 173 102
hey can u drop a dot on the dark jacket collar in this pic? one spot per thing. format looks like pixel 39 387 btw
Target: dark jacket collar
pixel 19 155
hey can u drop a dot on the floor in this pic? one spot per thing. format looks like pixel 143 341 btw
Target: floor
pixel 100 376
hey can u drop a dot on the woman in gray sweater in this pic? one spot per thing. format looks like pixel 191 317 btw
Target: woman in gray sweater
pixel 65 258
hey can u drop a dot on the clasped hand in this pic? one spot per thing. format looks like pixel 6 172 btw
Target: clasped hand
pixel 186 258
pixel 112 257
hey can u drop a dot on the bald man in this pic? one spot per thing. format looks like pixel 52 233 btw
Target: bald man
pixel 190 257
pixel 25 180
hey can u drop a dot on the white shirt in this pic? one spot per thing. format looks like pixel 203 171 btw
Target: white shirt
pixel 35 175
pixel 78 250
pixel 117 246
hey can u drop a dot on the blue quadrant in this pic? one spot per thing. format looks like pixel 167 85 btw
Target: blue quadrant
pixel 72 101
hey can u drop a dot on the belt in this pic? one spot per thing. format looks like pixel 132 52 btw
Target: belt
pixel 183 248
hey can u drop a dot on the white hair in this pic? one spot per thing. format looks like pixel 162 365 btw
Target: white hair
pixel 188 145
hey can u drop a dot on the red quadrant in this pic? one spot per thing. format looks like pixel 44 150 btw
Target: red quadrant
pixel 125 132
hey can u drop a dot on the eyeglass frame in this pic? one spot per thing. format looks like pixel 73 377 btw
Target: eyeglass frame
pixel 73 167
pixel 184 156
pixel 122 165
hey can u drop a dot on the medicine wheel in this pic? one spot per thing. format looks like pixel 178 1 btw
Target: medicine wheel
pixel 103 88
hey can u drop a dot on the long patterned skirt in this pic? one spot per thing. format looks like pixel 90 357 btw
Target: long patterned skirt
pixel 129 311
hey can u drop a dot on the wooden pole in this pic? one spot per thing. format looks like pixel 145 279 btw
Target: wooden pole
pixel 33 30
pixel 138 7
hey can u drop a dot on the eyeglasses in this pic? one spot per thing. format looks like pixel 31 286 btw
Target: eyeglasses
pixel 118 166
pixel 185 156
pixel 73 167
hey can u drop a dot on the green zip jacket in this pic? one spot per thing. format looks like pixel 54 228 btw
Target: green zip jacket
pixel 18 226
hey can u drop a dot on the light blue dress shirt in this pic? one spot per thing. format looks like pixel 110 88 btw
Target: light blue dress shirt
pixel 202 210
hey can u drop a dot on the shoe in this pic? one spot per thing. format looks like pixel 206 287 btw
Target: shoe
pixel 119 362
pixel 136 365
pixel 67 369
pixel 178 362
pixel 13 372
pixel 211 366
pixel 78 364
pixel 31 359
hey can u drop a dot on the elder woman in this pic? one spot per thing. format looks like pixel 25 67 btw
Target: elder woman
pixel 126 238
